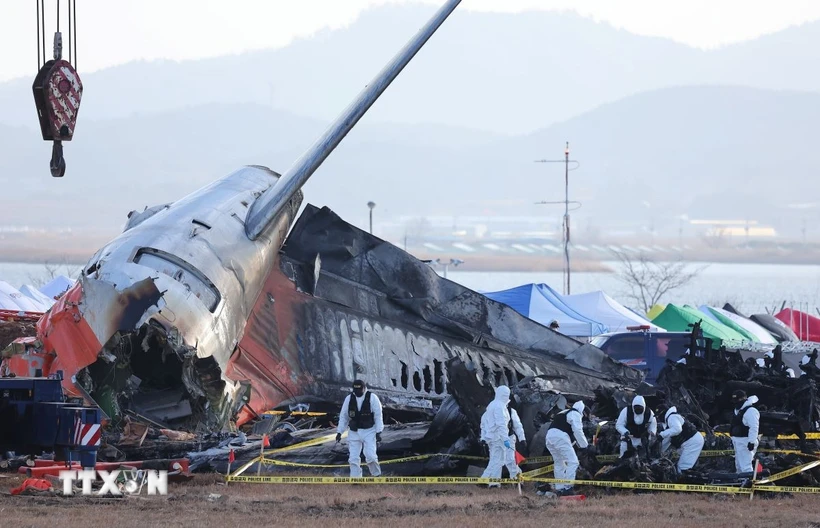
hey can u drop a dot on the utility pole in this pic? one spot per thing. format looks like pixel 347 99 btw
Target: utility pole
pixel 453 262
pixel 371 206
pixel 566 233
pixel 566 211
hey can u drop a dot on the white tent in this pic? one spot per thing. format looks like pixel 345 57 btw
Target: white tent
pixel 7 303
pixel 42 300
pixel 534 301
pixel 57 286
pixel 11 299
pixel 601 307
pixel 750 326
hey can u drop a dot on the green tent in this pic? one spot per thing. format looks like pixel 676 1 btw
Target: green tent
pixel 677 318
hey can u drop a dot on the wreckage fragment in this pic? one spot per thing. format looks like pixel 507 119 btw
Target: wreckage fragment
pixel 701 389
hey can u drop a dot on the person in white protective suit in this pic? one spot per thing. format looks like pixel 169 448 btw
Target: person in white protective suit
pixel 681 434
pixel 745 427
pixel 566 426
pixel 362 413
pixel 808 364
pixel 495 431
pixel 636 423
pixel 516 435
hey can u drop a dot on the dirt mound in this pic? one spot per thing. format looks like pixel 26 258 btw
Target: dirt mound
pixel 9 331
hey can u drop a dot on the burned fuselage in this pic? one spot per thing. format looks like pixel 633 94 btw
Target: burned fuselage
pixel 177 322
pixel 342 304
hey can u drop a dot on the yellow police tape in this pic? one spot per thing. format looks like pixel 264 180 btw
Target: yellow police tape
pixel 274 462
pixel 651 486
pixel 538 472
pixel 787 489
pixel 656 486
pixel 809 436
pixel 787 452
pixel 790 472
pixel 372 480
pixel 295 413
pixel 415 458
pixel 308 443
pixel 659 486
pixel 532 476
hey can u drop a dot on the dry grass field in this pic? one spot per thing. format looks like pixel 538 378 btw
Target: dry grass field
pixel 258 505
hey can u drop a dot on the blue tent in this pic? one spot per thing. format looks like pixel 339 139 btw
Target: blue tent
pixel 542 304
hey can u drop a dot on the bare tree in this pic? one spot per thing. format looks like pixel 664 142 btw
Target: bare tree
pixel 649 280
pixel 51 269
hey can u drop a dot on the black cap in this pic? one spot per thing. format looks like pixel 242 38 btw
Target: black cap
pixel 739 395
pixel 358 384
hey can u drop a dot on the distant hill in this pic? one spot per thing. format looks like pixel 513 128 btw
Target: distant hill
pixel 709 152
pixel 118 165
pixel 512 73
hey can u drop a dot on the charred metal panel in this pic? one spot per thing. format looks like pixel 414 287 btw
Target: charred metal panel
pixel 401 361
pixel 368 275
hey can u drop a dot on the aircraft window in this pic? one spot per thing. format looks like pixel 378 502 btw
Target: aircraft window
pixel 439 376
pixel 182 272
pixel 92 268
pixel 417 381
pixel 625 347
pixel 404 376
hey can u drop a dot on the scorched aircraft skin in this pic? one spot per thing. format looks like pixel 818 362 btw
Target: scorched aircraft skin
pixel 201 313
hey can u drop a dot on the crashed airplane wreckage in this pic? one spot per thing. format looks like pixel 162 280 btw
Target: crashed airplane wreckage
pixel 201 313
pixel 334 304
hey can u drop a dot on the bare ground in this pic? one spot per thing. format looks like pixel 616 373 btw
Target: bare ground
pixel 256 505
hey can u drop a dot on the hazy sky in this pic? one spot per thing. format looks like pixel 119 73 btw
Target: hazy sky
pixel 116 31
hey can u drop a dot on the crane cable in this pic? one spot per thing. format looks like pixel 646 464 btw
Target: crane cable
pixel 41 31
pixel 38 35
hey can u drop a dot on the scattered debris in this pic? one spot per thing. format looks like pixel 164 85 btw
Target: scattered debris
pixel 32 486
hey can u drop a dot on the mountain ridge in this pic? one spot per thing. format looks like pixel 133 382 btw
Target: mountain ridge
pixel 509 73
